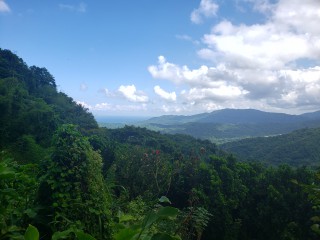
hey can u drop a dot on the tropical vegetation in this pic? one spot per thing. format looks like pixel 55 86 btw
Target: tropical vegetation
pixel 63 177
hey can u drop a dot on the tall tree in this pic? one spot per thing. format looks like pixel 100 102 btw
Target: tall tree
pixel 77 191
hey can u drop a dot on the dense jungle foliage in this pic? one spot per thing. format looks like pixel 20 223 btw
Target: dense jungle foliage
pixel 63 177
pixel 298 148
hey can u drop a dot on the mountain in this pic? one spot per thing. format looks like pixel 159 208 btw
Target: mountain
pixel 31 108
pixel 298 148
pixel 232 124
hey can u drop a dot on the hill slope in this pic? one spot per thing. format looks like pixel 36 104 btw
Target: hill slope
pixel 298 148
pixel 31 107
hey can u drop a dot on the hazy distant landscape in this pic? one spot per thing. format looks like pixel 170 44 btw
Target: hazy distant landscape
pixel 222 125
pixel 273 138
pixel 118 121
pixel 160 120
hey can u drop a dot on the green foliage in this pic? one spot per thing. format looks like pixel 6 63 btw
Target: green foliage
pixel 76 186
pixel 149 227
pixel 18 186
pixel 142 170
pixel 31 105
pixel 27 150
pixel 166 143
pixel 72 233
pixel 296 149
pixel 313 191
pixel 194 222
pixel 31 233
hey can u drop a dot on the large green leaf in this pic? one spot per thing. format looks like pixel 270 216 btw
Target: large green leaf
pixel 164 199
pixel 126 234
pixel 151 218
pixel 84 236
pixel 316 228
pixel 31 233
pixel 125 217
pixel 5 172
pixel 162 213
pixel 168 212
pixel 61 235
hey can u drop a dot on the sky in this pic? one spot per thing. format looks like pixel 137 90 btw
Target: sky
pixel 182 57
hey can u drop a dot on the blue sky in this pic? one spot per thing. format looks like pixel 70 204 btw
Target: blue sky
pixel 150 57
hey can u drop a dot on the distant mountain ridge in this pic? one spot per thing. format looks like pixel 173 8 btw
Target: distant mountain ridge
pixel 235 116
pixel 232 124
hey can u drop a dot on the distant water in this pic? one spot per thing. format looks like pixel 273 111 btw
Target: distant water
pixel 120 119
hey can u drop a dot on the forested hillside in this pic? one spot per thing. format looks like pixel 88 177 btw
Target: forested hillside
pixel 63 177
pixel 298 148
pixel 229 125
pixel 31 108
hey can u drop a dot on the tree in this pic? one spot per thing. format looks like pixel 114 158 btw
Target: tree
pixel 42 77
pixel 77 193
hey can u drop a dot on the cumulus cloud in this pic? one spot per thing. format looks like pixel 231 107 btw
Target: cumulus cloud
pixel 130 92
pixel 258 46
pixel 207 8
pixel 165 95
pixel 221 93
pixel 179 75
pixel 4 7
pixel 81 7
pixel 269 65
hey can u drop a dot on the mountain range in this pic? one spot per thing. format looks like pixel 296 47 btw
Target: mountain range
pixel 232 124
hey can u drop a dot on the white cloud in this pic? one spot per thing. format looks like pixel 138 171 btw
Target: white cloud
pixel 130 92
pixel 173 109
pixel 220 94
pixel 83 104
pixel 119 109
pixel 102 106
pixel 165 95
pixel 258 46
pixel 81 7
pixel 113 107
pixel 263 6
pixel 177 74
pixel 4 7
pixel 273 65
pixel 207 8
pixel 298 16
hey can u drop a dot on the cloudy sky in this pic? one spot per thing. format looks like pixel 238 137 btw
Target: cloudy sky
pixel 151 57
